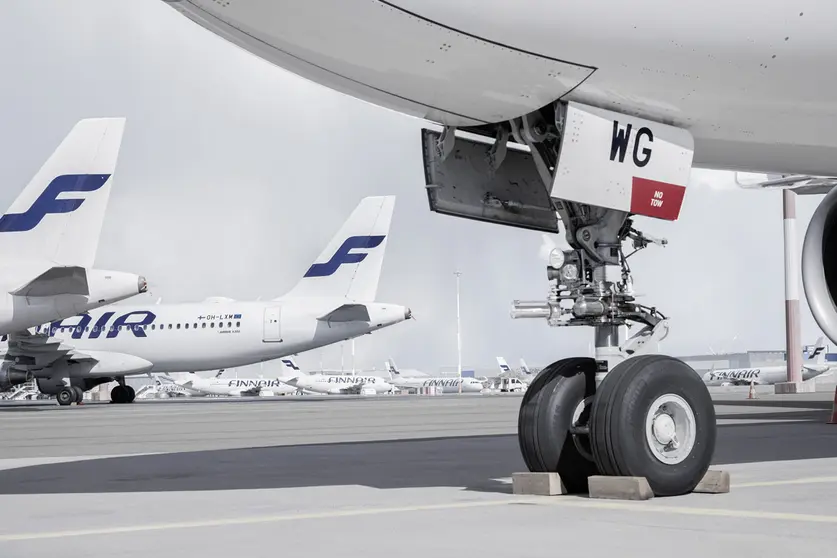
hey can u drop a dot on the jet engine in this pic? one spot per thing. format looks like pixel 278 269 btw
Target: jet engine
pixel 819 265
pixel 10 378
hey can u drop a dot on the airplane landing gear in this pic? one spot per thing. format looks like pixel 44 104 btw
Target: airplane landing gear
pixel 624 412
pixel 70 395
pixel 122 393
pixel 650 417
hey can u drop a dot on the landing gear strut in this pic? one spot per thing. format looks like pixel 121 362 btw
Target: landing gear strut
pixel 626 411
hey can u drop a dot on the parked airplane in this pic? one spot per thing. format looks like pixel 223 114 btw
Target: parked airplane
pixel 50 234
pixel 234 387
pixel 814 366
pixel 332 302
pixel 592 113
pixel 333 384
pixel 448 385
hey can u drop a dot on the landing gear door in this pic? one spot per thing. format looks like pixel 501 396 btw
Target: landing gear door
pixel 621 162
pixel 272 324
pixel 465 183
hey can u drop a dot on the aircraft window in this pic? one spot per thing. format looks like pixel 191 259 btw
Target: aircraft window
pixel 153 326
pixel 212 324
pixel 203 324
pixel 169 326
pixel 178 326
pixel 144 327
pixel 87 328
pixel 229 324
pixel 237 324
pixel 186 326
pixel 195 326
pixel 78 329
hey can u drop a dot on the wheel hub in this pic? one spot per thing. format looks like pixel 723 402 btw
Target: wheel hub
pixel 664 429
pixel 670 429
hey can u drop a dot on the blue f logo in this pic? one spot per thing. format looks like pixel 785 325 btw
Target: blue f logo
pixel 290 364
pixel 344 255
pixel 48 201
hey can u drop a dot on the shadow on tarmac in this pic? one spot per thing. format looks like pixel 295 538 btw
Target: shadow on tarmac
pixel 470 462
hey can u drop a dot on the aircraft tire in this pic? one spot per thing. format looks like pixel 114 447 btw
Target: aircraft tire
pixel 79 394
pixel 66 396
pixel 638 406
pixel 546 416
pixel 130 394
pixel 118 394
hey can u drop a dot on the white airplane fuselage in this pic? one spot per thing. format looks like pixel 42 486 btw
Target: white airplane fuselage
pixel 236 386
pixel 339 384
pixel 200 336
pixel 760 375
pixel 751 83
pixel 448 385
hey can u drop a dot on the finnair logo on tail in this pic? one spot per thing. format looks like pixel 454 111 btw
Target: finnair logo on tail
pixel 48 201
pixel 344 255
pixel 290 364
pixel 505 368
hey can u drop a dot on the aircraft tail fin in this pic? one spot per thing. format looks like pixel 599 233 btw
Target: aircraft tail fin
pixel 350 266
pixel 504 366
pixel 58 216
pixel 290 366
pixel 817 354
pixel 524 367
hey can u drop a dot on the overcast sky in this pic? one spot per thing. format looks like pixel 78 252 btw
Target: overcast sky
pixel 233 174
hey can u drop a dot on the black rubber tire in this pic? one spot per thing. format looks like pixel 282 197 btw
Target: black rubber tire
pixel 130 394
pixel 66 396
pixel 545 417
pixel 79 394
pixel 617 423
pixel 118 394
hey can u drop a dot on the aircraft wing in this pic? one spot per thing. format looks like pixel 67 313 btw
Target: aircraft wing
pixel 31 352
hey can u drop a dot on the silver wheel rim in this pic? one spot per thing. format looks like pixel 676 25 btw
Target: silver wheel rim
pixel 670 429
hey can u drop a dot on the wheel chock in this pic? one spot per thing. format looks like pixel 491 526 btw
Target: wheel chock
pixel 538 484
pixel 619 488
pixel 713 482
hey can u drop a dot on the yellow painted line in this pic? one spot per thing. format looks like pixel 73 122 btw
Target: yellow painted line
pixel 809 480
pixel 557 501
pixel 246 520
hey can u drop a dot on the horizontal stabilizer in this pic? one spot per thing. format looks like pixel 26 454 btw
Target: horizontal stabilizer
pixel 347 313
pixel 58 280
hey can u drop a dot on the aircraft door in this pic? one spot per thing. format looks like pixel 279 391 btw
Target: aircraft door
pixel 272 324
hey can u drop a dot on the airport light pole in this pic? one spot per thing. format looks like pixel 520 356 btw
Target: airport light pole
pixel 794 346
pixel 458 333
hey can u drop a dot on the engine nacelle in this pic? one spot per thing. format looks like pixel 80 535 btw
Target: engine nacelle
pixel 10 378
pixel 51 386
pixel 819 265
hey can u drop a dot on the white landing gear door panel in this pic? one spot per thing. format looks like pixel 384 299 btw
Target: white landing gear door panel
pixel 621 162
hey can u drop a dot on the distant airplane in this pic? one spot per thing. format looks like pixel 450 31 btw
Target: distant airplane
pixel 233 387
pixel 332 302
pixel 333 384
pixel 49 237
pixel 447 384
pixel 812 367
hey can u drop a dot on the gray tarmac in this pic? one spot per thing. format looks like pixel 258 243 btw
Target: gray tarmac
pixel 412 475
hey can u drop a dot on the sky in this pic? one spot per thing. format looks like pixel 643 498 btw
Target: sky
pixel 234 174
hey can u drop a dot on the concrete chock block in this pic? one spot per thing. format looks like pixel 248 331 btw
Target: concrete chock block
pixel 714 482
pixel 619 488
pixel 537 484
